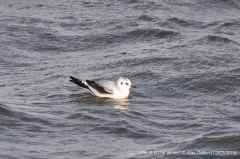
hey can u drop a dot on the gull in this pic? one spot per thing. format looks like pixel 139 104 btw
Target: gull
pixel 104 88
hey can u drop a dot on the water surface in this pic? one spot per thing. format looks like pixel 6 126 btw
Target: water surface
pixel 182 55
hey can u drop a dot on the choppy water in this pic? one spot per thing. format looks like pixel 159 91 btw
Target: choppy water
pixel 182 55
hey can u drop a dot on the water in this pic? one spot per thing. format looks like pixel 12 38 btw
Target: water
pixel 182 55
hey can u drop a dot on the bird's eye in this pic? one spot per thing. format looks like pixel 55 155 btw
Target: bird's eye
pixel 126 83
pixel 121 83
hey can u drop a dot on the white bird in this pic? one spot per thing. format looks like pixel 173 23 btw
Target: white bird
pixel 104 88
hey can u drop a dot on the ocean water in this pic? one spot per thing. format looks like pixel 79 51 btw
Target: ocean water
pixel 183 56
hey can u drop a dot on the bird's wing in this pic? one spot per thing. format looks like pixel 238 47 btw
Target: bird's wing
pixel 101 86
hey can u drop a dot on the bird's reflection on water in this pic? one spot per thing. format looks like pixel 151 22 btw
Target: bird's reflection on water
pixel 122 104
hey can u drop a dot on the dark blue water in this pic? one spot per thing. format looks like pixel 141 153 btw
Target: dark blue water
pixel 182 55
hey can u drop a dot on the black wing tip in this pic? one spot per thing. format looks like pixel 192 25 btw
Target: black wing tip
pixel 78 82
pixel 72 77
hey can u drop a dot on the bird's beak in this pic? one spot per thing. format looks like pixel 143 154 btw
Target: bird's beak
pixel 133 86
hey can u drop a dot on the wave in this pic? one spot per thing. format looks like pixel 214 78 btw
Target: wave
pixel 215 140
pixel 210 82
pixel 185 23
pixel 6 112
pixel 14 117
pixel 214 38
